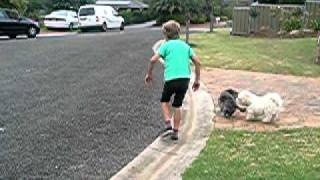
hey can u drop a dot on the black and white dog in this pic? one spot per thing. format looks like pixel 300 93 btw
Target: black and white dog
pixel 228 104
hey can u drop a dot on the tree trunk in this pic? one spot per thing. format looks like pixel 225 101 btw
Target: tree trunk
pixel 188 17
pixel 210 13
pixel 211 22
pixel 318 50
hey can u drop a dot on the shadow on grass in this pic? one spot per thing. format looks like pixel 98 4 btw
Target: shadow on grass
pixel 193 45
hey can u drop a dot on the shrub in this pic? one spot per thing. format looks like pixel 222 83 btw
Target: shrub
pixel 268 1
pixel 134 17
pixel 315 24
pixel 282 1
pixel 34 15
pixel 228 12
pixel 292 24
pixel 291 1
pixel 199 19
pixel 224 18
pixel 178 17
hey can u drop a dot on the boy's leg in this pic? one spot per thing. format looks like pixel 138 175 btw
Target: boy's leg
pixel 176 122
pixel 181 89
pixel 176 118
pixel 165 99
pixel 166 113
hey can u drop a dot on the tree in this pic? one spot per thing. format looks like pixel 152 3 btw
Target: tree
pixel 168 9
pixel 5 4
pixel 68 4
pixel 35 8
pixel 190 7
pixel 209 7
pixel 182 11
pixel 20 5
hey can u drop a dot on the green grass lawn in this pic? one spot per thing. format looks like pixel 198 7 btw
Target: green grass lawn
pixel 287 154
pixel 278 56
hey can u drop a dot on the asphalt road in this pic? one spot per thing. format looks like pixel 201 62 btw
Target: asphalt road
pixel 76 107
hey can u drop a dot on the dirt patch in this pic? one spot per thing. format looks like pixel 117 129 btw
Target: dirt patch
pixel 301 97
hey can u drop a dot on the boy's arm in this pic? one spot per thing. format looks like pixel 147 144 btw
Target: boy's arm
pixel 153 60
pixel 196 61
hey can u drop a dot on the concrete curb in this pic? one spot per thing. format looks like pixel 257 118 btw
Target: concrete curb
pixel 164 159
pixel 56 34
pixel 44 35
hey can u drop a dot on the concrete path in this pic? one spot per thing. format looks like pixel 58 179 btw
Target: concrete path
pixel 300 94
pixel 164 159
pixel 142 25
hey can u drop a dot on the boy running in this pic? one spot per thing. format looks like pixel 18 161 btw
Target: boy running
pixel 177 71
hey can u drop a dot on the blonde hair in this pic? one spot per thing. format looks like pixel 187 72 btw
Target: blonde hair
pixel 171 29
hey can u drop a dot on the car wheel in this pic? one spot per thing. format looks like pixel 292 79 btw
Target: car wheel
pixel 71 27
pixel 122 26
pixel 12 36
pixel 32 32
pixel 104 27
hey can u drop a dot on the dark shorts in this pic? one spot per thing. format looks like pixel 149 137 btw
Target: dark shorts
pixel 176 87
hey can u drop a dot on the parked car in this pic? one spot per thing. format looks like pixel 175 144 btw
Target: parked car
pixel 62 19
pixel 102 17
pixel 12 24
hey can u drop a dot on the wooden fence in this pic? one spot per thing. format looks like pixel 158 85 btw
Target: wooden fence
pixel 313 9
pixel 260 17
pixel 240 25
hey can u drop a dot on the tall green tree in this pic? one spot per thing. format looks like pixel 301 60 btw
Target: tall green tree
pixel 20 5
pixel 190 8
pixel 5 4
pixel 68 4
pixel 209 8
pixel 181 11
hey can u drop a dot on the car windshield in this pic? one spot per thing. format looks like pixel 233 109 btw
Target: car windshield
pixel 12 15
pixel 2 15
pixel 86 12
pixel 59 13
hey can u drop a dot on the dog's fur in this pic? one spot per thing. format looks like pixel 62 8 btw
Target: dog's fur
pixel 227 103
pixel 156 47
pixel 265 108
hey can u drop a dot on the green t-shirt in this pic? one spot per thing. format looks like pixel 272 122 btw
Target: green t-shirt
pixel 176 55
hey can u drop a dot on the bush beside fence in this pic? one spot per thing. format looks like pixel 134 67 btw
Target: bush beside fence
pixel 276 18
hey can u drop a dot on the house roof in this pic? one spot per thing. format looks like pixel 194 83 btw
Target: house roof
pixel 131 4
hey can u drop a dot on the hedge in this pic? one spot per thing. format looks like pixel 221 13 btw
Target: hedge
pixel 135 16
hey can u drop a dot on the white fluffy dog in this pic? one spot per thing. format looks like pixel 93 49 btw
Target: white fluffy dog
pixel 265 108
pixel 156 47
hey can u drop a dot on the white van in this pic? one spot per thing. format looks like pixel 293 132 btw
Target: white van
pixel 97 16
